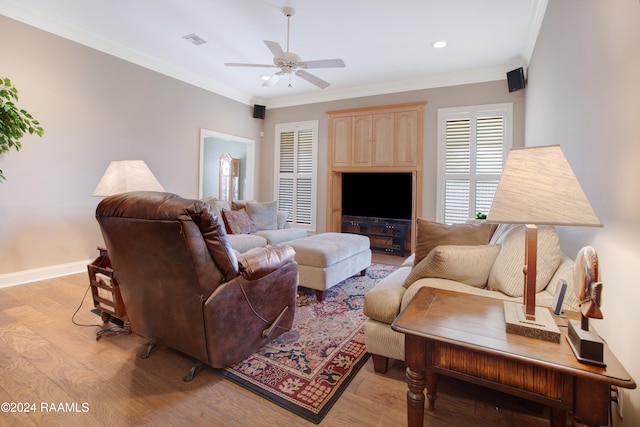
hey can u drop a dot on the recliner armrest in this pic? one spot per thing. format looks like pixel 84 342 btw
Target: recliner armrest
pixel 258 262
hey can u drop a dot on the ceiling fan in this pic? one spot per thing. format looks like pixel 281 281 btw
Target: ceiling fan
pixel 290 63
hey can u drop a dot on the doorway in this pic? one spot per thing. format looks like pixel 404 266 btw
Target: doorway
pixel 212 145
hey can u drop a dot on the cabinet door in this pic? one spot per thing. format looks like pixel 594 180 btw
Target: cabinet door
pixel 340 144
pixel 383 136
pixel 406 138
pixel 361 154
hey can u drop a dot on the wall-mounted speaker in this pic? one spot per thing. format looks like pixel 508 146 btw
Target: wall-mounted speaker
pixel 515 79
pixel 258 111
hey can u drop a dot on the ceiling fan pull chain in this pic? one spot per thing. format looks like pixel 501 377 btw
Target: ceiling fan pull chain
pixel 288 30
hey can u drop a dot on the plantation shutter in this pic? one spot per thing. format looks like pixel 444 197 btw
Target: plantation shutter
pixel 285 195
pixel 489 160
pixel 474 145
pixel 457 170
pixel 296 166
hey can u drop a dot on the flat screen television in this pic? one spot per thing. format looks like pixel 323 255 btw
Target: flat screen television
pixel 378 195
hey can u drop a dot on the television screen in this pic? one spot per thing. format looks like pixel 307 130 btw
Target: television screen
pixel 377 195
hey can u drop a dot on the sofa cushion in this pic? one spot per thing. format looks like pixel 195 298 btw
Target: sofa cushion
pixel 506 274
pixel 264 215
pixel 237 222
pixel 243 242
pixel 466 264
pixel 275 237
pixel 430 234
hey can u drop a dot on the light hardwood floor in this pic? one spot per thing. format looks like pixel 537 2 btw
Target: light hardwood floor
pixel 47 360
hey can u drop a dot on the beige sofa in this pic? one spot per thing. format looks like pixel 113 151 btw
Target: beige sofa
pixel 250 224
pixel 472 258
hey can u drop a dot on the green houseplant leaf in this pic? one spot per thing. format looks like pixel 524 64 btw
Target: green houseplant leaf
pixel 14 122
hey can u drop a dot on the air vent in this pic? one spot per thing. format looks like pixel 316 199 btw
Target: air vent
pixel 194 39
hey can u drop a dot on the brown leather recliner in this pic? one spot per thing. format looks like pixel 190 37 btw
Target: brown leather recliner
pixel 182 284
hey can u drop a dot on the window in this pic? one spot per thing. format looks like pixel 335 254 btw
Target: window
pixel 473 143
pixel 296 164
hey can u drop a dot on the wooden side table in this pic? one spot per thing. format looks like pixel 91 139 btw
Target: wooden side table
pixel 106 290
pixel 464 336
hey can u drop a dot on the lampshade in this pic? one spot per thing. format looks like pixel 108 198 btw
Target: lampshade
pixel 127 175
pixel 539 187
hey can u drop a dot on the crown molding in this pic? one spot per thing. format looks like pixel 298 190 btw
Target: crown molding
pixel 538 9
pixel 478 75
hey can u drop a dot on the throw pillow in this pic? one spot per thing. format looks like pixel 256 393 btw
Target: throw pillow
pixel 501 232
pixel 506 274
pixel 211 201
pixel 264 216
pixel 237 222
pixel 466 264
pixel 222 204
pixel 236 205
pixel 282 219
pixel 565 271
pixel 430 234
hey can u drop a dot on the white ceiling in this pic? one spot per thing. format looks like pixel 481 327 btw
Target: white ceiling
pixel 386 44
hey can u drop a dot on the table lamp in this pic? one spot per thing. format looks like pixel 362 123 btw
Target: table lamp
pixel 538 187
pixel 127 175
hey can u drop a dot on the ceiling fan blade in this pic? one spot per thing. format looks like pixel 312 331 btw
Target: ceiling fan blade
pixel 238 64
pixel 273 80
pixel 312 79
pixel 276 50
pixel 323 63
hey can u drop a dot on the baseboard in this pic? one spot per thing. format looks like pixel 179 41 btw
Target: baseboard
pixel 44 273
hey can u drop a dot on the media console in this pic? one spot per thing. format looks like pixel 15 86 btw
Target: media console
pixel 385 234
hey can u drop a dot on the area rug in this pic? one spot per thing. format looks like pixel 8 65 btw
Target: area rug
pixel 306 369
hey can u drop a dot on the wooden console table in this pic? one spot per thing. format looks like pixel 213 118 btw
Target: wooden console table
pixel 464 336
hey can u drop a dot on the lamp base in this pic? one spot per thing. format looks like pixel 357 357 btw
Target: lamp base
pixel 586 345
pixel 543 327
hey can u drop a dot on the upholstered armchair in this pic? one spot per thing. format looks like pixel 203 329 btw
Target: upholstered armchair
pixel 183 286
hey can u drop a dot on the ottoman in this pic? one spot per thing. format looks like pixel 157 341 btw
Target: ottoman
pixel 326 259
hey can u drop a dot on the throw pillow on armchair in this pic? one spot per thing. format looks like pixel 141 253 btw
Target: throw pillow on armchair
pixel 506 274
pixel 430 234
pixel 466 264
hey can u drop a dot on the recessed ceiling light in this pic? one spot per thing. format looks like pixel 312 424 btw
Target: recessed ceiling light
pixel 265 77
pixel 439 44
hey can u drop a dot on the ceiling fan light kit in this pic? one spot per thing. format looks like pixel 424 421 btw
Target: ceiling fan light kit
pixel 291 63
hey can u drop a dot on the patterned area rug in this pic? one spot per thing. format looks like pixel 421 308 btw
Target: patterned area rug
pixel 306 369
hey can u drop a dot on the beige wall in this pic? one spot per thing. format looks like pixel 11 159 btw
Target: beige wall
pixel 584 94
pixel 453 96
pixel 94 108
